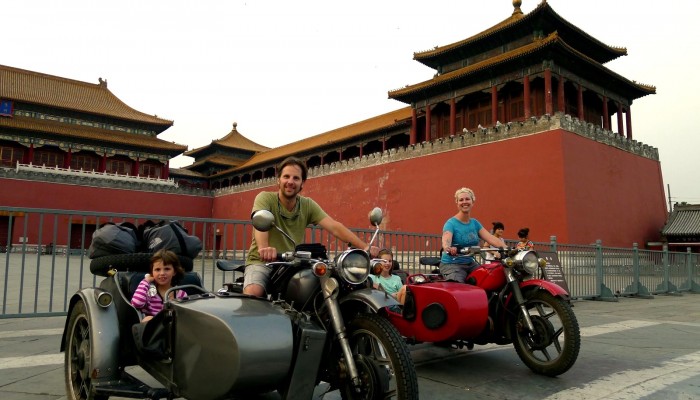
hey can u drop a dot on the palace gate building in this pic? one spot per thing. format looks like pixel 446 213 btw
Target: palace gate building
pixel 525 113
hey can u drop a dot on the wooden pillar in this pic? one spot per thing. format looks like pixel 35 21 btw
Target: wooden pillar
pixel 494 104
pixel 383 145
pixel 67 159
pixel 606 116
pixel 103 163
pixel 620 126
pixel 428 135
pixel 561 99
pixel 414 127
pixel 135 167
pixel 30 154
pixel 526 96
pixel 580 102
pixel 629 122
pixel 548 105
pixel 361 148
pixel 453 116
pixel 166 170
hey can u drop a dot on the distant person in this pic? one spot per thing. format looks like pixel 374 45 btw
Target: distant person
pixel 150 294
pixel 524 242
pixel 461 231
pixel 497 231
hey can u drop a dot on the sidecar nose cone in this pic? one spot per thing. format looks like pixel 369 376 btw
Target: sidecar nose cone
pixel 434 316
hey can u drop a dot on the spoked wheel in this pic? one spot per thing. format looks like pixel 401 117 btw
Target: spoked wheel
pixel 78 356
pixel 383 361
pixel 554 345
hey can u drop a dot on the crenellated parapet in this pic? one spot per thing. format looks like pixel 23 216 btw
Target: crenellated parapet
pixel 97 179
pixel 480 136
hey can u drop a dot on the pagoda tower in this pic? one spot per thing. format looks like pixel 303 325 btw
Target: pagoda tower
pixel 527 65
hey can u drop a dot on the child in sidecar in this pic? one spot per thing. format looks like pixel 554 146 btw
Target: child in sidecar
pixel 383 276
pixel 150 294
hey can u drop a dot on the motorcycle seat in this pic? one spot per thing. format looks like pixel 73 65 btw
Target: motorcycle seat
pixel 429 260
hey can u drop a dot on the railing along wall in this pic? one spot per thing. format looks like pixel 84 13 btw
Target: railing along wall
pixel 44 261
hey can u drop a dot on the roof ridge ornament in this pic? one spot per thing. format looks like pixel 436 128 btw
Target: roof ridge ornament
pixel 235 124
pixel 516 5
pixel 103 82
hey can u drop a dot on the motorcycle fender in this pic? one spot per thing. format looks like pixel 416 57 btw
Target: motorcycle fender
pixel 372 298
pixel 104 332
pixel 551 287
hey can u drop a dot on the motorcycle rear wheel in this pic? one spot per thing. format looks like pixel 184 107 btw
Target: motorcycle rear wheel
pixel 383 361
pixel 554 346
pixel 78 356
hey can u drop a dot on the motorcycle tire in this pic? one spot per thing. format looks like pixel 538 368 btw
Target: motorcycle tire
pixel 384 375
pixel 78 352
pixel 554 321
pixel 135 262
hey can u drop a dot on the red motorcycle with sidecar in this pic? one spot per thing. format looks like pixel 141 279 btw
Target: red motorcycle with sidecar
pixel 502 301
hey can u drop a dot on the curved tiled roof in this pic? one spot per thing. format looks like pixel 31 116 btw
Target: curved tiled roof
pixel 683 221
pixel 599 51
pixel 53 91
pixel 553 42
pixel 90 133
pixel 186 172
pixel 384 121
pixel 234 140
pixel 216 160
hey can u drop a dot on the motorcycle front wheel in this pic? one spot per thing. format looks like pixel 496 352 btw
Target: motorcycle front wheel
pixel 78 356
pixel 554 345
pixel 383 361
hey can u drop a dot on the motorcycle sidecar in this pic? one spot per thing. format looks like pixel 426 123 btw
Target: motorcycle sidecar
pixel 439 310
pixel 205 346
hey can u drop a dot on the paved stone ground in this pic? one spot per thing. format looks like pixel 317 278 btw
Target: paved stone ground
pixel 633 348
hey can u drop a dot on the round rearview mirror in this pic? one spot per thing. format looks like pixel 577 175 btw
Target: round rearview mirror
pixel 263 220
pixel 375 216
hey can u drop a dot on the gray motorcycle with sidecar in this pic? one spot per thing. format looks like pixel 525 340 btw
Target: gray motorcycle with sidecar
pixel 320 324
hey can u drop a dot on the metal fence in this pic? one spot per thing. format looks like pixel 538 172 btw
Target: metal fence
pixel 44 260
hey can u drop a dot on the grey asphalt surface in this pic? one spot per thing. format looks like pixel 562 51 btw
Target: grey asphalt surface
pixel 633 348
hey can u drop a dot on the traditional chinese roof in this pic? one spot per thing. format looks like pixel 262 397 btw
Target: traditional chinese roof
pixel 234 140
pixel 513 29
pixel 683 221
pixel 217 160
pixel 552 46
pixel 90 134
pixel 52 91
pixel 386 121
pixel 186 172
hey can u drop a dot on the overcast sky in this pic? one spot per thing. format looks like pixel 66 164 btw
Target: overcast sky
pixel 286 70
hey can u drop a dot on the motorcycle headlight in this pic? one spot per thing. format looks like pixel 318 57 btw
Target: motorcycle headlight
pixel 353 266
pixel 528 261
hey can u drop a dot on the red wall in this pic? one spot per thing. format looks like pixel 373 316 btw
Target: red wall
pixel 555 183
pixel 20 193
pixel 46 195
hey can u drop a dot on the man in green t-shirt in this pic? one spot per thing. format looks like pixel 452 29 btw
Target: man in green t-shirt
pixel 293 213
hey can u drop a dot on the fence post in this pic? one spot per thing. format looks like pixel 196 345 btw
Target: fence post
pixel 666 286
pixel 693 286
pixel 604 292
pixel 636 288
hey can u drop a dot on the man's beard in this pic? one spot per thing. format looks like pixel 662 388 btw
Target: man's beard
pixel 288 196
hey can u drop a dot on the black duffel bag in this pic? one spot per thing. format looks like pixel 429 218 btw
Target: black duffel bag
pixel 110 239
pixel 171 236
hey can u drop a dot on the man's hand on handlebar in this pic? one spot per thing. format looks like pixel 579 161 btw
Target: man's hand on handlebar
pixel 268 254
